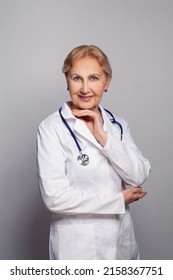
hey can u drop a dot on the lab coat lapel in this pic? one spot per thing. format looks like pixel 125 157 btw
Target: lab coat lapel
pixel 81 129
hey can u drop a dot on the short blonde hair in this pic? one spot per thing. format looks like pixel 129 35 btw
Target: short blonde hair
pixel 87 51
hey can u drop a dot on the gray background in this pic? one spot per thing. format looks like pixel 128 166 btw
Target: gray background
pixel 35 37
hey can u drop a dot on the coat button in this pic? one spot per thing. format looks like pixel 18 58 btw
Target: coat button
pixel 113 244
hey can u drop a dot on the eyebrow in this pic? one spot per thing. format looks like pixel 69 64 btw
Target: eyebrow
pixel 75 74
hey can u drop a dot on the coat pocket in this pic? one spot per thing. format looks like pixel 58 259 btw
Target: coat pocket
pixel 72 242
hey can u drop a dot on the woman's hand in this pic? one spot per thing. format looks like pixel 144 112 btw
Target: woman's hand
pixel 134 194
pixel 94 122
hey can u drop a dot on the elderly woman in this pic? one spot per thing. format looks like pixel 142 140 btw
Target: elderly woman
pixel 89 167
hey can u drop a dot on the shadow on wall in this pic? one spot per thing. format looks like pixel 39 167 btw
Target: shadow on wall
pixel 24 233
pixel 39 237
pixel 24 220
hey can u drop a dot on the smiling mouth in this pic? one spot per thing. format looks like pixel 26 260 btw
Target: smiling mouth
pixel 85 98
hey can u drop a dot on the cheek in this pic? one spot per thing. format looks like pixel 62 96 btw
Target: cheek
pixel 99 88
pixel 73 87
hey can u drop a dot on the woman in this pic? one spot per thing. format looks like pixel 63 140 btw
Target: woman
pixel 89 167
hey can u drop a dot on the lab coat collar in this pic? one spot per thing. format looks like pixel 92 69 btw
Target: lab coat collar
pixel 67 113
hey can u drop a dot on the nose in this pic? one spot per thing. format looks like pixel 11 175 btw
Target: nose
pixel 85 87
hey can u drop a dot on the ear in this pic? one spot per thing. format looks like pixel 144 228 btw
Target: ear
pixel 108 80
pixel 67 83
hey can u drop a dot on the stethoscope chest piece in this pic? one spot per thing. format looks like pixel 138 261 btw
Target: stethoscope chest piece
pixel 83 159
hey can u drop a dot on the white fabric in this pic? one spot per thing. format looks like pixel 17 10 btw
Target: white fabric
pixel 89 216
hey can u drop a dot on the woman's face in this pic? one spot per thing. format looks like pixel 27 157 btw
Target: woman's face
pixel 86 83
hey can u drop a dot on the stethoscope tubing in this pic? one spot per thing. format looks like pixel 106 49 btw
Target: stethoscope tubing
pixel 69 129
pixel 114 121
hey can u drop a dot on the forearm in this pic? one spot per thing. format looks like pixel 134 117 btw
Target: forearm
pixel 131 166
pixel 59 197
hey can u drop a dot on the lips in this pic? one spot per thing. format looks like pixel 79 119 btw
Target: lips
pixel 85 98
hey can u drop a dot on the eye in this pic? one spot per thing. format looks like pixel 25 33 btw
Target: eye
pixel 76 78
pixel 94 78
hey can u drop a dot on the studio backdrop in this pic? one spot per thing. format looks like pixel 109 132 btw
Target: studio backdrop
pixel 35 37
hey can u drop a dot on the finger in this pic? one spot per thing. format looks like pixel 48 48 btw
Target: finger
pixel 139 195
pixel 82 112
pixel 137 190
pixel 81 115
pixel 142 194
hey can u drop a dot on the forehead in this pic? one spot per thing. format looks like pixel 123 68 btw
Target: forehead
pixel 86 65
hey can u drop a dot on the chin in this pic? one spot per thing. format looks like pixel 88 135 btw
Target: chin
pixel 85 106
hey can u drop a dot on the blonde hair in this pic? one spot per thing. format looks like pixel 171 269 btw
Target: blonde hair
pixel 87 51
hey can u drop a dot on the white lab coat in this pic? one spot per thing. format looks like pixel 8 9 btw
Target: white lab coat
pixel 89 216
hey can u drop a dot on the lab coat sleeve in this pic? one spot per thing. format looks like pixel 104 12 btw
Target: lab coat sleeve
pixel 126 158
pixel 57 193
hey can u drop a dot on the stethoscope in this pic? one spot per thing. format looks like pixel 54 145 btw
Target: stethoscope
pixel 83 159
